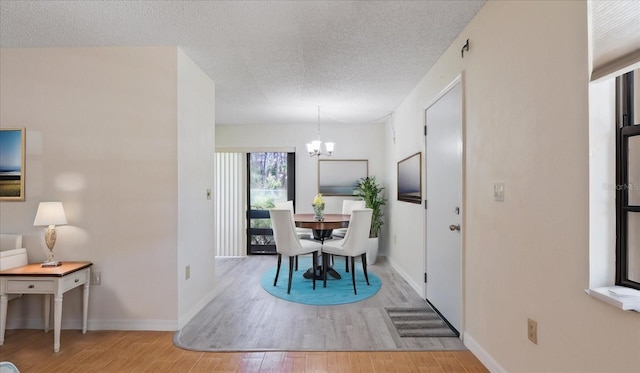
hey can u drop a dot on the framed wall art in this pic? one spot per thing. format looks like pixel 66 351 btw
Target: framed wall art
pixel 12 156
pixel 410 179
pixel 339 177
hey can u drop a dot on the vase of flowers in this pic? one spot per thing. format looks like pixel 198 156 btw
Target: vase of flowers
pixel 318 207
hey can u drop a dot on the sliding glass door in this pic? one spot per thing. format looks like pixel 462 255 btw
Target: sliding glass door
pixel 270 179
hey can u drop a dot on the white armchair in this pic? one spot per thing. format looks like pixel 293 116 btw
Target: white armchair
pixel 12 254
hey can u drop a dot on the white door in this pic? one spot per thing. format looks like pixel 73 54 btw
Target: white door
pixel 444 204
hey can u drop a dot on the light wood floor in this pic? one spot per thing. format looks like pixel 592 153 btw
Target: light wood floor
pixel 244 317
pixel 131 351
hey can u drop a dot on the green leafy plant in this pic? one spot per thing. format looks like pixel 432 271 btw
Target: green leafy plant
pixel 373 194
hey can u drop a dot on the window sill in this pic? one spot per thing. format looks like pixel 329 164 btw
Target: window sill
pixel 625 298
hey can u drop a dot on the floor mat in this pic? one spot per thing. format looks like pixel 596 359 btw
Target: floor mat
pixel 419 322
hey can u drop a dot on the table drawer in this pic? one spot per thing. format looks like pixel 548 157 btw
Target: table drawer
pixel 30 286
pixel 75 279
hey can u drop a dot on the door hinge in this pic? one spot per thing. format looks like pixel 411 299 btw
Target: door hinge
pixel 425 277
pixel 425 204
pixel 425 130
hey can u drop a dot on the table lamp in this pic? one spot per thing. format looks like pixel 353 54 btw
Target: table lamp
pixel 50 214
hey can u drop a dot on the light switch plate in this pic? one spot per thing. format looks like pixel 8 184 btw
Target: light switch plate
pixel 96 278
pixel 498 191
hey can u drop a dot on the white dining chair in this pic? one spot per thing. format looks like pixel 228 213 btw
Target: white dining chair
pixel 352 245
pixel 303 233
pixel 288 243
pixel 348 205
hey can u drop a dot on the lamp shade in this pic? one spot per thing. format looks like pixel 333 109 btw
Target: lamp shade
pixel 329 146
pixel 50 213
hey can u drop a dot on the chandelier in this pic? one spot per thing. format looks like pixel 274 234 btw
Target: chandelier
pixel 315 147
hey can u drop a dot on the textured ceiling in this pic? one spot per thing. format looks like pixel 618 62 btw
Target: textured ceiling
pixel 272 61
pixel 615 29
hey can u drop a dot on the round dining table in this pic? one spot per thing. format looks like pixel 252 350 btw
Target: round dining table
pixel 322 229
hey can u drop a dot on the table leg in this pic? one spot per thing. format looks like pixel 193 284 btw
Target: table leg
pixel 321 235
pixel 4 299
pixel 85 306
pixel 47 312
pixel 57 321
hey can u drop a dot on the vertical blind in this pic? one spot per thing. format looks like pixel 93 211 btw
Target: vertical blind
pixel 229 202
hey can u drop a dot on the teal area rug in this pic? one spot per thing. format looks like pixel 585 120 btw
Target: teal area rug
pixel 336 292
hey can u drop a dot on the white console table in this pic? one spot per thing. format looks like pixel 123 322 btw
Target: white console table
pixel 34 279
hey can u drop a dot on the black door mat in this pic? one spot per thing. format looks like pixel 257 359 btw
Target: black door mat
pixel 419 322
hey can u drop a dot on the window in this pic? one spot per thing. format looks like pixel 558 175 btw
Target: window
pixel 628 181
pixel 270 179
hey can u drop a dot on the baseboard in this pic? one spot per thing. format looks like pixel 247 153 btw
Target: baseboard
pixel 151 325
pixel 487 360
pixel 197 308
pixel 148 325
pixel 418 288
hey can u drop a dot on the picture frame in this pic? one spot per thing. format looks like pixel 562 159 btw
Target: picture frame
pixel 339 177
pixel 12 164
pixel 410 179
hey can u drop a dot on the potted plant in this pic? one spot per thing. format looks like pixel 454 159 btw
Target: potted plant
pixel 373 194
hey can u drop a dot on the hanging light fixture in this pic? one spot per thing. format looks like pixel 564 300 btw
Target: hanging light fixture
pixel 315 147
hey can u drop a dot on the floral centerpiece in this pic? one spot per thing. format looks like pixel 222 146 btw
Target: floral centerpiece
pixel 318 207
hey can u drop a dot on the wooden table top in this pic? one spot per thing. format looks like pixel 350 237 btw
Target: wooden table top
pixel 331 221
pixel 35 269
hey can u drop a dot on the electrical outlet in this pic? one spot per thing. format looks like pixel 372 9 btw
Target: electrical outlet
pixel 187 272
pixel 532 330
pixel 96 278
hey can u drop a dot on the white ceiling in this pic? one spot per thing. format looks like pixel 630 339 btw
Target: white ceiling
pixel 272 61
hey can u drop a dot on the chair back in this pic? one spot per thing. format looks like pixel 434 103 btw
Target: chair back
pixel 284 232
pixel 12 254
pixel 285 205
pixel 10 241
pixel 349 205
pixel 357 238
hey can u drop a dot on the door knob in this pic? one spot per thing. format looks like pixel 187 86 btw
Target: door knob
pixel 454 227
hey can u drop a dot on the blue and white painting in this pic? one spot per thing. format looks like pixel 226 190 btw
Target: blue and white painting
pixel 339 177
pixel 11 164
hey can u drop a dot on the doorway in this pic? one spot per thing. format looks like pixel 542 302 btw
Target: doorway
pixel 443 169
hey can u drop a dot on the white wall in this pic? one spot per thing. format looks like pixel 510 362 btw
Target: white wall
pixel 196 134
pixel 526 79
pixel 102 137
pixel 353 141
